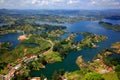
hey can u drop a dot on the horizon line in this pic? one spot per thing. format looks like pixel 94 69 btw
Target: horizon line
pixel 61 9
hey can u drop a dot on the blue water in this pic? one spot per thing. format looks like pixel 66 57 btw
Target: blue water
pixel 78 38
pixel 112 21
pixel 68 63
pixel 94 27
pixel 11 37
pixel 114 56
pixel 2 24
pixel 64 36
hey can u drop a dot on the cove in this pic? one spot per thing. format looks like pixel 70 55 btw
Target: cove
pixel 11 37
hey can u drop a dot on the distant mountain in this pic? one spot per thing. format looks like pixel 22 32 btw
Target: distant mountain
pixel 97 13
pixel 3 11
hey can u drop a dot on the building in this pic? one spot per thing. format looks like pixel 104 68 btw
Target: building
pixel 22 37
pixel 35 78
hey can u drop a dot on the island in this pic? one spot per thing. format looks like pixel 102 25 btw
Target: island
pixel 107 25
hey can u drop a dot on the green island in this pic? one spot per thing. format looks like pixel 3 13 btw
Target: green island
pixel 102 67
pixel 115 27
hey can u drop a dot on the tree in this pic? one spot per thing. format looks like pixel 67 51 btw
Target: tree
pixel 117 69
pixel 61 72
pixel 85 70
pixel 57 47
pixel 55 76
pixel 93 76
pixel 20 77
pixel 42 77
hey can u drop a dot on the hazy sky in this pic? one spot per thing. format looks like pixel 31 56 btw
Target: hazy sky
pixel 60 4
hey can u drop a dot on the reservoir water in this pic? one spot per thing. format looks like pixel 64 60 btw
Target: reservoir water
pixel 111 21
pixel 69 63
pixel 2 24
pixel 11 37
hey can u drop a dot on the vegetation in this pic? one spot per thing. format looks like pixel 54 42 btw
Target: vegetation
pixel 110 56
pixel 74 75
pixel 40 49
pixel 52 57
pixel 57 75
pixel 103 67
pixel 110 76
pixel 47 51
pixel 81 75
pixel 23 50
pixel 50 28
pixel 53 35
pixel 115 27
pixel 117 69
pixel 35 65
pixel 4 46
pixel 20 77
pixel 116 47
pixel 90 40
pixel 64 46
pixel 93 76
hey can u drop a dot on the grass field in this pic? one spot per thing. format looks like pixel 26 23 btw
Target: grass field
pixel 110 76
